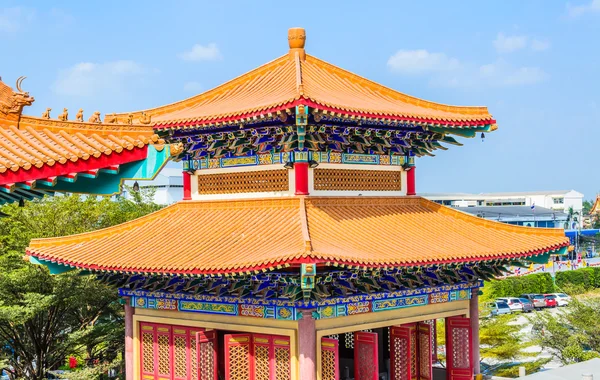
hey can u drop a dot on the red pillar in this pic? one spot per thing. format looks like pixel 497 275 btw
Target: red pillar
pixel 474 315
pixel 128 340
pixel 301 174
pixel 187 186
pixel 307 346
pixel 411 187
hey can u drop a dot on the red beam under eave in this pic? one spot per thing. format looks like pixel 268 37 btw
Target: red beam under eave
pixel 78 166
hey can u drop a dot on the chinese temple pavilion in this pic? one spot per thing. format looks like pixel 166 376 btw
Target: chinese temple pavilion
pixel 300 250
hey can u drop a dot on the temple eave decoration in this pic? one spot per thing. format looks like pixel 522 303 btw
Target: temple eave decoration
pixel 40 155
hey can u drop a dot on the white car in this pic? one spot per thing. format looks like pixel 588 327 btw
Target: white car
pixel 513 303
pixel 562 299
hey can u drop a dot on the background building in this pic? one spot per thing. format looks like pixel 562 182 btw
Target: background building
pixel 168 186
pixel 550 206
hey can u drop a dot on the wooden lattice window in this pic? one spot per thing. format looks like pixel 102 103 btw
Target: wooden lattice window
pixel 357 180
pixel 244 182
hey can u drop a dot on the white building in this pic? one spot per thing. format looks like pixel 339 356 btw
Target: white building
pixel 558 201
pixel 168 185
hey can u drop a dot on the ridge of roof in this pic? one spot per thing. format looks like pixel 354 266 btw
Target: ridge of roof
pixel 288 80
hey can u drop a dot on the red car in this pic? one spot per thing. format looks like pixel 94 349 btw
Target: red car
pixel 550 300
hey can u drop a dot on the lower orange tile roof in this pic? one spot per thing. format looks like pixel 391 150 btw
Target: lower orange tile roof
pixel 202 237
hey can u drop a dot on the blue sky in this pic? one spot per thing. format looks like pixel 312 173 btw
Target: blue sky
pixel 535 64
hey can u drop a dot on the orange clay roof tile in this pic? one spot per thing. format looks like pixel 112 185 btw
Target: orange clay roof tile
pixel 242 235
pixel 286 80
pixel 38 142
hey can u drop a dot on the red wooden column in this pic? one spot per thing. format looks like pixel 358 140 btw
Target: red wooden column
pixel 301 175
pixel 411 187
pixel 128 340
pixel 474 315
pixel 307 344
pixel 187 186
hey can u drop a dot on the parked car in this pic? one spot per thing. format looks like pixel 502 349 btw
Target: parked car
pixel 562 299
pixel 513 303
pixel 497 308
pixel 537 300
pixel 550 300
pixel 527 305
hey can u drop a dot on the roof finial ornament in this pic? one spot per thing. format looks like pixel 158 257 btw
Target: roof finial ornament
pixel 297 40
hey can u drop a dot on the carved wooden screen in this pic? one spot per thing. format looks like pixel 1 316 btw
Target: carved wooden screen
pixel 257 357
pixel 424 355
pixel 238 354
pixel 403 347
pixel 282 358
pixel 366 363
pixel 357 180
pixel 433 324
pixel 206 355
pixel 330 368
pixel 244 182
pixel 168 352
pixel 147 353
pixel 458 348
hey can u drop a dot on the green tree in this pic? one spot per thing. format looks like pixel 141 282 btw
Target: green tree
pixel 574 334
pixel 503 346
pixel 45 318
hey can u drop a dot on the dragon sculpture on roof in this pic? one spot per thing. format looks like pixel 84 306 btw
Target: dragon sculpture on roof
pixel 11 102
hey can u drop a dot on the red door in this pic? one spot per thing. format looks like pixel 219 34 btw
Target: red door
pixel 458 349
pixel 403 349
pixel 330 367
pixel 238 357
pixel 366 363
pixel 206 350
pixel 257 357
pixel 425 348
pixel 168 352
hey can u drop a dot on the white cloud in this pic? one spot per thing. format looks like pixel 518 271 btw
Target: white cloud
pixel 421 61
pixel 450 72
pixel 578 10
pixel 87 79
pixel 502 74
pixel 13 19
pixel 507 44
pixel 194 87
pixel 539 45
pixel 199 52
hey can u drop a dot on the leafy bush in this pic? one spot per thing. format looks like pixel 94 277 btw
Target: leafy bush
pixel 571 282
pixel 581 280
pixel 515 286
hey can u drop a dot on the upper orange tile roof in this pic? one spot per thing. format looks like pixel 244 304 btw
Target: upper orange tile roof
pixel 299 78
pixel 243 235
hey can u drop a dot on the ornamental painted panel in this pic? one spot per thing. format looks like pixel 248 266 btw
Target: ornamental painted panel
pixel 366 363
pixel 458 348
pixel 330 369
